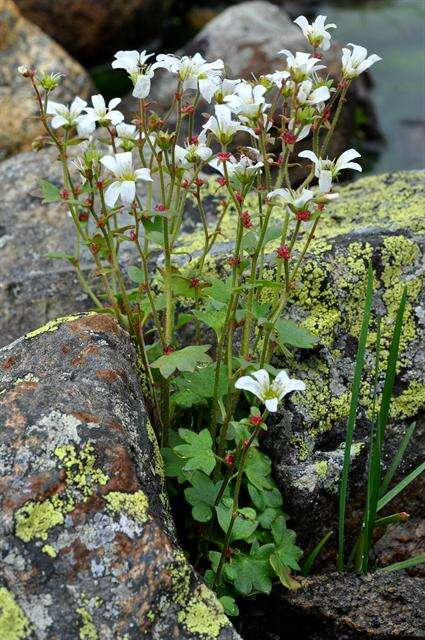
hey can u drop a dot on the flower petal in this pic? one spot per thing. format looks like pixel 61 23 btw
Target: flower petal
pixel 128 191
pixel 112 193
pixel 248 384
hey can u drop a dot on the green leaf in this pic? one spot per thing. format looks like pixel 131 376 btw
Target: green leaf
pixel 200 384
pixel 249 241
pixel 220 290
pixel 229 605
pixel 253 572
pixel 291 333
pixel 258 469
pixel 181 287
pixel 183 360
pixel 173 464
pixel 136 275
pixel 272 233
pixel 185 398
pixel 154 229
pixel 404 564
pixel 283 572
pixel 245 523
pixel 61 256
pixel 51 192
pixel 198 450
pixel 312 556
pixel 400 486
pixel 202 495
pixel 286 549
pixel 355 394
pixel 212 317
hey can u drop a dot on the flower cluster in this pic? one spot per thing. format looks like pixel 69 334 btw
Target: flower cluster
pixel 132 182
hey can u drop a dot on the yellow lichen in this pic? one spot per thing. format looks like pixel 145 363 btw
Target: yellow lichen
pixel 53 325
pixel 35 519
pixel 203 614
pixel 134 505
pixel 50 550
pixel 13 622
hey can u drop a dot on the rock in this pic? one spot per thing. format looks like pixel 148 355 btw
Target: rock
pixel 22 43
pixel 247 37
pixel 87 543
pixel 34 288
pixel 84 28
pixel 340 607
pixel 379 218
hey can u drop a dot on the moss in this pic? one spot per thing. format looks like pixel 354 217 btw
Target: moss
pixel 13 622
pixel 203 614
pixel 158 461
pixel 50 550
pixel 35 519
pixel 135 505
pixel 53 325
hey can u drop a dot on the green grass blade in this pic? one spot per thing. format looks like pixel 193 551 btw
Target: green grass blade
pixel 392 519
pixel 374 472
pixel 355 393
pixel 311 558
pixel 400 486
pixel 397 459
pixel 405 564
pixel 391 367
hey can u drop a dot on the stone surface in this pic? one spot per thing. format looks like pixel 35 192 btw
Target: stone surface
pixel 87 544
pixel 339 607
pixel 84 28
pixel 22 43
pixel 247 37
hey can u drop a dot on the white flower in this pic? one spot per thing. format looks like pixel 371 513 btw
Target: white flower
pixel 222 125
pixel 193 153
pixel 67 116
pixel 295 202
pixel 248 101
pixel 132 61
pixel 302 65
pixel 194 71
pixel 127 135
pixel 121 165
pixel 278 78
pixel 300 130
pixel 104 115
pixel 333 166
pixel 356 61
pixel 242 170
pixel 270 393
pixel 307 95
pixel 225 88
pixel 316 33
pixel 135 65
pixel 325 187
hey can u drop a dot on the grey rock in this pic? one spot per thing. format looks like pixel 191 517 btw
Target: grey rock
pixel 23 43
pixel 87 543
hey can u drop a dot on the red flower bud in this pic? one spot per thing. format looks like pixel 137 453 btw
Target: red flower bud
pixel 100 184
pixel 168 350
pixel 303 216
pixel 233 261
pixel 64 194
pixel 246 219
pixel 194 140
pixel 283 252
pixel 185 184
pixel 133 235
pixel 255 420
pixel 189 109
pixel 288 137
pixel 83 216
pixel 160 207
pixel 238 196
pixel 245 443
pixel 195 282
pixel 222 181
pixel 224 156
pixel 199 182
pixel 229 459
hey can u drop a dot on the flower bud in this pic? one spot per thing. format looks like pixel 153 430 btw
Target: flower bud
pixel 229 459
pixel 255 420
pixel 133 236
pixel 246 219
pixel 303 216
pixel 168 350
pixel 283 252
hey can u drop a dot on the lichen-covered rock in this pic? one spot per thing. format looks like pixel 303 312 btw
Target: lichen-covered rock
pixel 248 37
pixel 380 219
pixel 22 43
pixel 87 544
pixel 340 607
pixel 84 28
